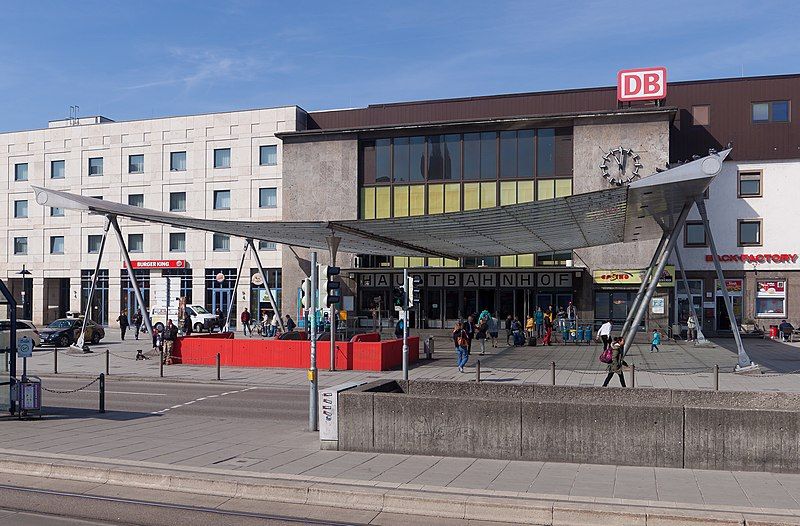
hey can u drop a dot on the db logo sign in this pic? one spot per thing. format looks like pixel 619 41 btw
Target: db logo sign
pixel 642 84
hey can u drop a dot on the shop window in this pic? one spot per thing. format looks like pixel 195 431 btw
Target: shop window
pixel 400 201
pixel 383 202
pixel 383 166
pixel 472 196
pixel 545 152
pixel 416 200
pixel 771 111
pixel 435 198
pixel 701 115
pixel 750 184
pixel 368 203
pixel 771 299
pixel 749 232
pixel 488 195
pixel 694 234
pixel 452 197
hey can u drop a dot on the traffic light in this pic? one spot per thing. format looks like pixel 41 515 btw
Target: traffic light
pixel 413 287
pixel 398 295
pixel 328 286
pixel 306 294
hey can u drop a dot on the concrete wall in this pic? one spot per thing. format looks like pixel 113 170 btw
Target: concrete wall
pixel 652 427
pixel 319 182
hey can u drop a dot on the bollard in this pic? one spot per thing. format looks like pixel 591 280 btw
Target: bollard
pixel 55 361
pixel 552 373
pixel 478 371
pixel 102 393
pixel 716 377
pixel 218 371
pixel 108 362
pixel 633 375
pixel 161 365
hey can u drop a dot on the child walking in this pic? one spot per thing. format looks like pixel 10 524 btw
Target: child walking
pixel 656 341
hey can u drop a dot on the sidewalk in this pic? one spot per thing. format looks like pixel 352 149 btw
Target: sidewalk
pixel 678 365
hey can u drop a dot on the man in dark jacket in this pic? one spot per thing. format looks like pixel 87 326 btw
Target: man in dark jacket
pixel 137 322
pixel 187 325
pixel 123 323
pixel 170 335
pixel 469 328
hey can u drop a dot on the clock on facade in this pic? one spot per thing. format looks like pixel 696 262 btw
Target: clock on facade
pixel 620 166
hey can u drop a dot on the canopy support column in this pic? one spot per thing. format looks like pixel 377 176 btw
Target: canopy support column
pixel 266 285
pixel 81 339
pixel 112 219
pixel 232 301
pixel 672 237
pixel 744 360
pixel 701 338
pixel 645 281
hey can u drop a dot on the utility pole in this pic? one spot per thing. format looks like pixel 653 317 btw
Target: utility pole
pixel 313 408
pixel 405 324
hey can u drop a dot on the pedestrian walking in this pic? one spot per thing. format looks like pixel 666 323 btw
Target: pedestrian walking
pixel 158 342
pixel 548 329
pixel 290 324
pixel 169 337
pixel 604 334
pixel 691 329
pixel 137 322
pixel 656 341
pixel 461 341
pixel 220 321
pixel 123 323
pixel 273 325
pixel 538 319
pixel 494 329
pixel 481 333
pixel 187 325
pixel 561 318
pixel 615 367
pixel 245 318
pixel 509 334
pixel 469 327
pixel 572 314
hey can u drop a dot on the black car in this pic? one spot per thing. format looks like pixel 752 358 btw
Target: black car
pixel 65 331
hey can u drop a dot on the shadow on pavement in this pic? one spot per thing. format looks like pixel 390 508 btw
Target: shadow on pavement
pixel 53 413
pixel 771 355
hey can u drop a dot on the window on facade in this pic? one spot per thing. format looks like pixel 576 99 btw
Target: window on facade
pixel 749 232
pixel 21 172
pixel 771 299
pixel 701 115
pixel 772 111
pixel 435 157
pixel 694 234
pixel 452 157
pixel 553 258
pixel 400 160
pixel 383 164
pixel 21 209
pixel 267 197
pixel 268 155
pixel 545 152
pixel 416 159
pixel 95 166
pixel 56 244
pixel 136 164
pixel 472 156
pixel 56 212
pixel 177 161
pixel 488 155
pixel 93 243
pixel 222 199
pixel 57 170
pixel 20 246
pixel 749 184
pixel 177 242
pixel 136 200
pixel 177 202
pixel 135 242
pixel 221 243
pixel 267 245
pixel 222 158
pixel 508 154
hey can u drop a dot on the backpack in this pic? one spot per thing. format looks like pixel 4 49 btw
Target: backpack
pixel 606 356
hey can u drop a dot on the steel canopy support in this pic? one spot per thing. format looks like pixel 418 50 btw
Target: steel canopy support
pixel 333 247
pixel 235 288
pixel 672 237
pixel 266 285
pixel 136 291
pixel 313 387
pixel 701 338
pixel 744 359
pixel 648 273
pixel 93 287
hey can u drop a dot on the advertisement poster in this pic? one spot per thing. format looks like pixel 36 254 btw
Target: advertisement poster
pixel 657 306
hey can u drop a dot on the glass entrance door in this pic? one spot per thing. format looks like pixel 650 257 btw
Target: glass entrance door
pixel 544 300
pixel 451 310
pixel 433 308
pixel 470 303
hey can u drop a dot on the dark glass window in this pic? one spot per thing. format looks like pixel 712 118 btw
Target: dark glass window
pixel 695 234
pixel 400 158
pixel 525 153
pixel 472 155
pixel 383 166
pixel 749 232
pixel 508 154
pixel 489 155
pixel 416 149
pixel 452 157
pixel 368 162
pixel 563 153
pixel 435 157
pixel 780 111
pixel 545 152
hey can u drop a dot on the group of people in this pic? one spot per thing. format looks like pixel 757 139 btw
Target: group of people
pixel 487 327
pixel 269 325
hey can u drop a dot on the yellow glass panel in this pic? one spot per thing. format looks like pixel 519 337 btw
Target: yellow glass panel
pixel 472 196
pixel 508 193
pixel 383 202
pixel 416 262
pixel 400 262
pixel 545 190
pixel 563 187
pixel 524 191
pixel 434 262
pixel 488 195
pixel 435 198
pixel 525 260
pixel 400 201
pixel 450 262
pixel 508 261
pixel 452 197
pixel 416 200
pixel 368 203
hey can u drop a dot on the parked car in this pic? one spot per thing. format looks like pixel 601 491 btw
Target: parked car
pixel 24 328
pixel 65 331
pixel 202 320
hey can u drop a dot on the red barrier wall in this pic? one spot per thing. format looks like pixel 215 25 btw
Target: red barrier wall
pixel 293 354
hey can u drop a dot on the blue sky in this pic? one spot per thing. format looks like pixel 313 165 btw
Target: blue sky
pixel 138 59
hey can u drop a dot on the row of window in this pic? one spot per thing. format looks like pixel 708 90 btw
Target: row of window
pixel 748 233
pixel 267 198
pixel 513 154
pixel 177 243
pixel 268 156
pixel 760 112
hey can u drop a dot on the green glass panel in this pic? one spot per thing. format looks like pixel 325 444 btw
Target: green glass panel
pixel 400 201
pixel 416 201
pixel 452 197
pixel 508 193
pixel 563 187
pixel 488 195
pixel 545 189
pixel 525 191
pixel 472 196
pixel 383 202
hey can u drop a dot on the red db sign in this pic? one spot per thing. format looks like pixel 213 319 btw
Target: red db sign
pixel 642 84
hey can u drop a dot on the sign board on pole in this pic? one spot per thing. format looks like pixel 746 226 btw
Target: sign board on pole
pixel 642 84
pixel 25 347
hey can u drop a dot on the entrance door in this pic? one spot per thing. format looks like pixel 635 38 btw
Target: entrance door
pixel 485 300
pixel 723 321
pixel 505 306
pixel 544 300
pixel 470 303
pixel 433 308
pixel 451 311
pixel 220 298
pixel 562 300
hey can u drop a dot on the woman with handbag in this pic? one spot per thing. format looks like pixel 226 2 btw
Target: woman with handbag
pixel 461 341
pixel 615 367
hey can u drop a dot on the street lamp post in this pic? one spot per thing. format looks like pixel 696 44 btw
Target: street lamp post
pixel 26 293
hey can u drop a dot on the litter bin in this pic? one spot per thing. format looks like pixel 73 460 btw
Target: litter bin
pixel 29 396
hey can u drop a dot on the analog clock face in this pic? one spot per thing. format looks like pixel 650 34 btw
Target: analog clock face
pixel 621 166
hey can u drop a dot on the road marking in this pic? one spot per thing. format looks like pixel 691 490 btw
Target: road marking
pixel 190 402
pixel 128 393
